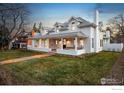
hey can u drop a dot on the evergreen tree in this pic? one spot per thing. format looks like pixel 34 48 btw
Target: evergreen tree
pixel 40 27
pixel 34 27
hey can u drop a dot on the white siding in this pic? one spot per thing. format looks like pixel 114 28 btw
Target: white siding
pixel 89 32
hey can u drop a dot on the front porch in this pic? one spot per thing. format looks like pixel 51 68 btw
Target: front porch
pixel 39 44
pixel 73 43
pixel 69 46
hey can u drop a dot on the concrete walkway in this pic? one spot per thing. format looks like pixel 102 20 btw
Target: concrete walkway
pixel 25 58
pixel 117 72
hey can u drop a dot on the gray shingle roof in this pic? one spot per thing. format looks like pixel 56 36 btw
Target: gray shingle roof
pixel 87 25
pixel 63 35
pixel 68 34
pixel 63 29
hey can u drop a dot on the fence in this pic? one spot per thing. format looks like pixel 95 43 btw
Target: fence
pixel 113 47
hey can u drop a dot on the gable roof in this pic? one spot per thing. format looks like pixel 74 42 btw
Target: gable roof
pixel 83 23
pixel 57 24
pixel 79 19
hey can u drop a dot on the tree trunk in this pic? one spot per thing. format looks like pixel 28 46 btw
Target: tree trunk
pixel 10 45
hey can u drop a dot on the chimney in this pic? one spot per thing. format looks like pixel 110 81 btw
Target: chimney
pixel 96 19
pixel 97 34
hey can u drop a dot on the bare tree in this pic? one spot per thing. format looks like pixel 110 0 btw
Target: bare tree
pixel 116 24
pixel 13 18
pixel 101 26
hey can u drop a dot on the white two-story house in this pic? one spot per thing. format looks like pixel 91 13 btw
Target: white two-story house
pixel 75 37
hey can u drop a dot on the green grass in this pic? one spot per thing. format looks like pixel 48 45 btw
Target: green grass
pixel 11 54
pixel 63 70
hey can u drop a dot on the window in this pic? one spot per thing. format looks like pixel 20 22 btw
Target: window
pixel 104 35
pixel 46 43
pixel 79 23
pixel 57 30
pixel 64 41
pixel 73 22
pixel 81 43
pixel 36 43
pixel 73 28
pixel 101 42
pixel 56 42
pixel 29 42
pixel 92 42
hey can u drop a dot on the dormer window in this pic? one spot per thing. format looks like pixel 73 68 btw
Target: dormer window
pixel 73 22
pixel 73 26
pixel 59 27
pixel 79 23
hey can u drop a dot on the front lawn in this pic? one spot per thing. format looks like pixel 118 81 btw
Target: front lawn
pixel 63 70
pixel 11 54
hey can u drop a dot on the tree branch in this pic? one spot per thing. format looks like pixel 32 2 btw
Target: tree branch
pixel 15 17
pixel 20 26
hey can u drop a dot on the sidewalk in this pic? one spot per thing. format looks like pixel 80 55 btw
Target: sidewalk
pixel 117 72
pixel 25 58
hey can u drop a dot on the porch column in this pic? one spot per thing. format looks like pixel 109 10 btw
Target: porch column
pixel 39 43
pixel 48 43
pixel 61 43
pixel 33 42
pixel 44 43
pixel 20 45
pixel 75 43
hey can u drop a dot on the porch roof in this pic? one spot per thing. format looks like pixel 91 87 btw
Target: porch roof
pixel 62 35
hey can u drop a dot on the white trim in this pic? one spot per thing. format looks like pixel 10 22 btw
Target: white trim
pixel 61 43
pixel 39 49
pixel 75 43
pixel 39 43
pixel 71 52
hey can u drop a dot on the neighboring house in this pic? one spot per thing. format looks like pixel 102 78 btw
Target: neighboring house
pixel 20 42
pixel 74 37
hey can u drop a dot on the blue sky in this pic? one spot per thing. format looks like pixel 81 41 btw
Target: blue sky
pixel 50 13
